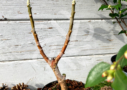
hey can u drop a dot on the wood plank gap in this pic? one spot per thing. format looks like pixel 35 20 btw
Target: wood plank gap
pixel 58 19
pixel 33 59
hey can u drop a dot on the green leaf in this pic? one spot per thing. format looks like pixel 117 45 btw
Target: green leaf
pixel 114 1
pixel 123 15
pixel 122 31
pixel 113 15
pixel 121 52
pixel 103 7
pixel 95 75
pixel 108 9
pixel 117 7
pixel 124 0
pixel 120 81
pixel 113 22
pixel 123 10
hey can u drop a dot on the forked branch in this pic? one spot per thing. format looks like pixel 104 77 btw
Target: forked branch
pixel 53 63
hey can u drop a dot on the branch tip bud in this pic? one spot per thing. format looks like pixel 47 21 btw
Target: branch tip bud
pixel 125 54
pixel 73 2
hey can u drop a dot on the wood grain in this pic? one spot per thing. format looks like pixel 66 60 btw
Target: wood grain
pixel 51 9
pixel 95 37
pixel 92 41
pixel 37 72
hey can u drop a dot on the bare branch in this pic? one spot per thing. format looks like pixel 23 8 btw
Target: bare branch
pixel 34 32
pixel 69 33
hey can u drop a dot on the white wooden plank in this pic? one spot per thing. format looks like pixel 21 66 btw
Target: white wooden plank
pixel 37 73
pixel 51 9
pixel 88 38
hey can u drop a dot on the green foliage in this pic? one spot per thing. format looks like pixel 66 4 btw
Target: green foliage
pixel 124 0
pixel 118 10
pixel 122 31
pixel 121 52
pixel 123 15
pixel 103 7
pixel 117 7
pixel 102 84
pixel 120 81
pixel 123 10
pixel 115 1
pixel 113 15
pixel 95 75
pixel 113 22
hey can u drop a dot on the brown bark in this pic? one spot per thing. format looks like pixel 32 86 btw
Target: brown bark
pixel 69 33
pixel 34 32
pixel 53 63
pixel 60 78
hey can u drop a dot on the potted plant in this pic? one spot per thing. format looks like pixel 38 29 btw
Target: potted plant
pixel 53 63
pixel 112 73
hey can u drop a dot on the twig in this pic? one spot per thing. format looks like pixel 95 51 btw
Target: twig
pixel 118 61
pixel 34 32
pixel 123 22
pixel 105 2
pixel 69 33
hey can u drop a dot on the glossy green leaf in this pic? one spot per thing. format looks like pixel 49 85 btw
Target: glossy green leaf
pixel 95 75
pixel 113 15
pixel 120 81
pixel 103 7
pixel 121 52
pixel 122 31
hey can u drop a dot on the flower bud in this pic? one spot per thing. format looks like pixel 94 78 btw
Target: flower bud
pixel 109 6
pixel 109 78
pixel 112 67
pixel 111 72
pixel 125 54
pixel 120 12
pixel 104 74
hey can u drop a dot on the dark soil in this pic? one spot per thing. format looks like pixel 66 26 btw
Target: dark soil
pixel 71 84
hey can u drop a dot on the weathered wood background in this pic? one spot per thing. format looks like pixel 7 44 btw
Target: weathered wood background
pixel 94 39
